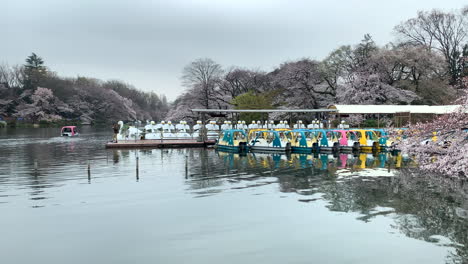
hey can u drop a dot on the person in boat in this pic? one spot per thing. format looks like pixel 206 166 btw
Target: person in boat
pixel 116 128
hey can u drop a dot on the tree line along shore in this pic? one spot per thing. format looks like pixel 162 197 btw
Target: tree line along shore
pixel 427 63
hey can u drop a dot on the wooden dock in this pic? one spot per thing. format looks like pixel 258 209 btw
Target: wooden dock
pixel 157 143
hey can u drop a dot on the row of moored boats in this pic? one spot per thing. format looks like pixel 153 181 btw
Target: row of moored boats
pixel 304 140
pixel 265 136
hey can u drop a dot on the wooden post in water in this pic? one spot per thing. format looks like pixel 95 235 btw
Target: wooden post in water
pixel 378 120
pixel 137 169
pixel 35 167
pixel 89 172
pixel 186 166
pixel 203 128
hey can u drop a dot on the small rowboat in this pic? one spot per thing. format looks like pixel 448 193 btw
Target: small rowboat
pixel 69 131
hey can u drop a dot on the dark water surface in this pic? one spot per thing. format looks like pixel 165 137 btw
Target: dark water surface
pixel 204 206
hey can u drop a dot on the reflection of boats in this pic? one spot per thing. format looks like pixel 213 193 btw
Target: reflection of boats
pixel 269 160
pixel 366 160
pixel 346 160
pixel 269 140
pixel 233 139
pixel 302 160
pixel 324 160
pixel 69 131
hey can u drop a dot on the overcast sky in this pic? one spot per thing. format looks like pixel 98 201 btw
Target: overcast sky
pixel 148 42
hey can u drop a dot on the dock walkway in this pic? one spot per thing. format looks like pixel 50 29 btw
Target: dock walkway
pixel 157 143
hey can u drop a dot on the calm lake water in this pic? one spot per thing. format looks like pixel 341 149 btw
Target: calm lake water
pixel 204 206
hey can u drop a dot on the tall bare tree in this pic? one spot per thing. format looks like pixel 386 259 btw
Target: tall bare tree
pixel 202 76
pixel 445 32
pixel 12 76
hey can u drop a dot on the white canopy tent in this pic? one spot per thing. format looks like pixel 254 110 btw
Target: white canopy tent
pixel 400 112
pixel 393 109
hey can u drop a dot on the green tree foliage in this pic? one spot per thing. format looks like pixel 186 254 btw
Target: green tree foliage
pixel 252 100
pixel 34 70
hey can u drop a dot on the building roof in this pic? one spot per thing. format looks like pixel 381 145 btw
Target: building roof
pixel 392 109
pixel 349 109
pixel 263 110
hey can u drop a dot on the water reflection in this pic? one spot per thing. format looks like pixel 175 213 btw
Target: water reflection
pixel 420 208
pixel 366 186
pixel 325 162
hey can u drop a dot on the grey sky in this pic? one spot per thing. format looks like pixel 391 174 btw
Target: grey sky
pixel 147 43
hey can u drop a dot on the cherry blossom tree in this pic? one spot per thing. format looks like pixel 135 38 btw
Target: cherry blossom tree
pixel 446 152
pixel 181 108
pixel 302 85
pixel 42 108
pixel 366 88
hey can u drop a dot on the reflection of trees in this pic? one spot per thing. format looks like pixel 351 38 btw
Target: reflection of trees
pixel 421 207
pixel 204 167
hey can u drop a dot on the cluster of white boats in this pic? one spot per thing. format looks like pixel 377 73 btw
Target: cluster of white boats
pixel 267 136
